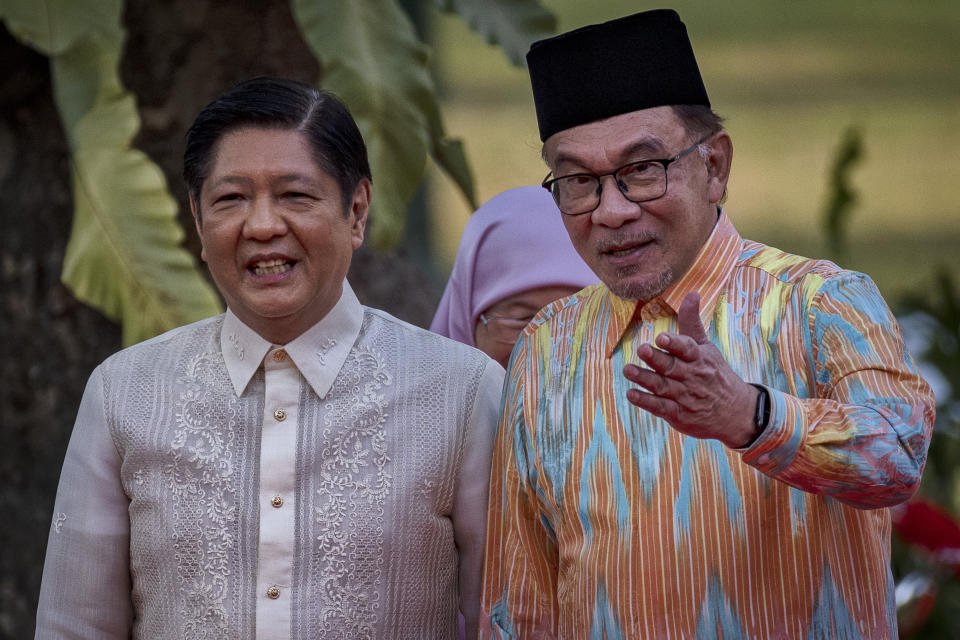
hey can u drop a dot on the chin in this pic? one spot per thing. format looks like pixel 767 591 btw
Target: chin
pixel 641 288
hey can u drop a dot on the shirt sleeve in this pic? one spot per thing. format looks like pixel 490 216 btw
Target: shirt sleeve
pixel 520 565
pixel 862 436
pixel 470 501
pixel 85 592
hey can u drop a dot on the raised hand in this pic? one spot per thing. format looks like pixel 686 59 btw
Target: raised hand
pixel 691 386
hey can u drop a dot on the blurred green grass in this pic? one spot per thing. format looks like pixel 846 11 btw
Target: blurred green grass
pixel 789 78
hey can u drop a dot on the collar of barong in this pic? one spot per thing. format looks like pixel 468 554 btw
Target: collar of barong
pixel 708 275
pixel 318 353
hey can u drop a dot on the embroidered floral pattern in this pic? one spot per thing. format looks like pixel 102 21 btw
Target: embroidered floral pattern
pixel 353 485
pixel 324 349
pixel 427 487
pixel 200 472
pixel 58 523
pixel 375 465
pixel 237 346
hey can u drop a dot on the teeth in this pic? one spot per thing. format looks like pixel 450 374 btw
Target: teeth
pixel 621 252
pixel 270 267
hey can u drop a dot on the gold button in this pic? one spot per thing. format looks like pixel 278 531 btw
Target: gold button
pixel 273 593
pixel 279 415
pixel 276 501
pixel 279 356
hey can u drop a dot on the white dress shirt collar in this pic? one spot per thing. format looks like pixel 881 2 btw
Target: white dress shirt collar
pixel 319 352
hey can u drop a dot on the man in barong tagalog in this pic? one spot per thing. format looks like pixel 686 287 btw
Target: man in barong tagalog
pixel 299 467
pixel 706 443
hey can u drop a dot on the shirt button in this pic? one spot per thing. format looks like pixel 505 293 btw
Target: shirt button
pixel 276 501
pixel 279 356
pixel 279 415
pixel 653 308
pixel 273 592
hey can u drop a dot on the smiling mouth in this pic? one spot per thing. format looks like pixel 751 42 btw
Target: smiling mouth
pixel 271 267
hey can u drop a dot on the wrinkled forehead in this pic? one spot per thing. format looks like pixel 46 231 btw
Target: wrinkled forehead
pixel 646 133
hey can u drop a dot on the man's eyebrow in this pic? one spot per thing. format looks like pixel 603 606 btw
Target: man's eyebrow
pixel 643 149
pixel 648 147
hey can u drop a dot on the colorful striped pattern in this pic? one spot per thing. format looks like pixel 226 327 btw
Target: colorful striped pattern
pixel 606 523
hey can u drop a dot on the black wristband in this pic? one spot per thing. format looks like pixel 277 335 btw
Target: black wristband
pixel 761 415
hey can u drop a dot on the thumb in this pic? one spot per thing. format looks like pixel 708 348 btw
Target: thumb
pixel 688 319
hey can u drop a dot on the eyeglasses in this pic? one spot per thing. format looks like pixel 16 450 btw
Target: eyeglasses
pixel 503 328
pixel 640 181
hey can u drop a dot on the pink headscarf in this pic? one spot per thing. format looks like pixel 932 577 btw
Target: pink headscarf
pixel 514 242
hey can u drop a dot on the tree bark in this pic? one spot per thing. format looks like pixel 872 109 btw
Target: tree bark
pixel 51 342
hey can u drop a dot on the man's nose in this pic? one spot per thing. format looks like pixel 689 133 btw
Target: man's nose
pixel 264 220
pixel 614 210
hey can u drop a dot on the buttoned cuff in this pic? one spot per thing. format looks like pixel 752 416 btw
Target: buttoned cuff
pixel 775 449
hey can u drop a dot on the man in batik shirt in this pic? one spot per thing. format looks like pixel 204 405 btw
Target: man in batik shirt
pixel 705 444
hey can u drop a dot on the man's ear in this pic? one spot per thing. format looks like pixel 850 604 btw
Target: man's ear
pixel 197 220
pixel 719 159
pixel 359 208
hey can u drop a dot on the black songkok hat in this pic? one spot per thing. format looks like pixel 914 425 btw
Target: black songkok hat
pixel 602 70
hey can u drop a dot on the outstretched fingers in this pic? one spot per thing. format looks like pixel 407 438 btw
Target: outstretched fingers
pixel 658 405
pixel 656 383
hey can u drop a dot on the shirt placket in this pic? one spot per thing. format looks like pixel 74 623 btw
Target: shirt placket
pixel 278 447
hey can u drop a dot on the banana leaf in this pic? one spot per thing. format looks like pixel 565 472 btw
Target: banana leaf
pixel 125 255
pixel 513 24
pixel 372 59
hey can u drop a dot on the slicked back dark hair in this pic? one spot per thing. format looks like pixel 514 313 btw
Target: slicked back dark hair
pixel 279 103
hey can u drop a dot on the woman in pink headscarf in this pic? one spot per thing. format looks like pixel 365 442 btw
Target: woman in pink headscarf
pixel 514 258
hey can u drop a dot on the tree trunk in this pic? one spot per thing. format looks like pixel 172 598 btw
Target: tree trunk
pixel 51 342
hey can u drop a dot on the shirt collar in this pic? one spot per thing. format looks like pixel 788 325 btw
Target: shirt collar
pixel 708 274
pixel 319 352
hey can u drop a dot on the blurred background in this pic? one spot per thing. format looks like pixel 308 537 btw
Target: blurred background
pixel 845 118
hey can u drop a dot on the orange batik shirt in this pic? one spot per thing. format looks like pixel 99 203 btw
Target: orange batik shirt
pixel 605 522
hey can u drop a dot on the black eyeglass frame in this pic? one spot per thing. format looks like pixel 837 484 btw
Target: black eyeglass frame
pixel 664 162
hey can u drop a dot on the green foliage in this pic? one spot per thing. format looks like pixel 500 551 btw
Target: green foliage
pixel 842 197
pixel 372 58
pixel 939 318
pixel 54 26
pixel 513 24
pixel 124 256
pixel 935 317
